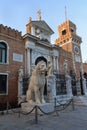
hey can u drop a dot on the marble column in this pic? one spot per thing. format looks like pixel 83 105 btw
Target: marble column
pixel 68 86
pixel 33 31
pixel 78 87
pixel 54 64
pixel 84 86
pixel 28 61
pixel 57 65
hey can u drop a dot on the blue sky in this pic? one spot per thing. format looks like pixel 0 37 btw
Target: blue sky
pixel 15 13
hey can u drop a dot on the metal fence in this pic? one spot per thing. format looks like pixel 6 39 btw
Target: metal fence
pixel 26 79
pixel 73 83
pixel 60 84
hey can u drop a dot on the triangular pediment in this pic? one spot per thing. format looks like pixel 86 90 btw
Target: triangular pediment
pixel 42 24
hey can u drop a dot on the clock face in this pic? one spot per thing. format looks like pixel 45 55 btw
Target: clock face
pixel 76 49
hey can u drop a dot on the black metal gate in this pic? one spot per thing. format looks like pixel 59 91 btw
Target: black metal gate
pixel 60 84
pixel 73 83
pixel 26 79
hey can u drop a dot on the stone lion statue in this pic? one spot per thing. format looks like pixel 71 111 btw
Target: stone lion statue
pixel 36 86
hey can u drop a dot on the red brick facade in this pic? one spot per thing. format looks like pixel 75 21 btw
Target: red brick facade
pixel 64 58
pixel 85 67
pixel 69 57
pixel 15 45
pixel 70 42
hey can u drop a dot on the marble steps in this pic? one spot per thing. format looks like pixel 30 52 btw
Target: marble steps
pixel 80 100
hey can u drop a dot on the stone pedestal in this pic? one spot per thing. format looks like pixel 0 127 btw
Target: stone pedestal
pixel 46 107
pixel 51 88
pixel 68 86
pixel 78 88
pixel 84 86
pixel 21 98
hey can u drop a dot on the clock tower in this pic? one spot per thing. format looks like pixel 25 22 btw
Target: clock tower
pixel 70 42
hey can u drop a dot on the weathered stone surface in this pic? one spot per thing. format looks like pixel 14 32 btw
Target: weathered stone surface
pixel 37 82
pixel 45 107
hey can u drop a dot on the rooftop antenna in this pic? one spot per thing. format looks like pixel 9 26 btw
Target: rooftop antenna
pixel 65 13
pixel 39 15
pixel 66 60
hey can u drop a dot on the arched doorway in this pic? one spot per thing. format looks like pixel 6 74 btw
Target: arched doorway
pixel 41 58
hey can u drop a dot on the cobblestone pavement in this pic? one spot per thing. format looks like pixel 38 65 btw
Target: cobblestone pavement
pixel 67 120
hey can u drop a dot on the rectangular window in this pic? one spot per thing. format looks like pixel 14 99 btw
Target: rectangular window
pixel 3 84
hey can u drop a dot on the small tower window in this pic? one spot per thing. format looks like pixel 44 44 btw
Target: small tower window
pixel 64 32
pixel 72 30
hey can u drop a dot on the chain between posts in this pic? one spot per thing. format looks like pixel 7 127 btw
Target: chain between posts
pixel 36 108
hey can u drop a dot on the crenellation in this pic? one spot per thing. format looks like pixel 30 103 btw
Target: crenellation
pixel 18 34
pixel 10 32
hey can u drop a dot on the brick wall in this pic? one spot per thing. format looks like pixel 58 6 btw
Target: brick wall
pixel 65 57
pixel 85 67
pixel 15 44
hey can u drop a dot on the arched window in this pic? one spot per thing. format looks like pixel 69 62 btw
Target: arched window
pixel 3 52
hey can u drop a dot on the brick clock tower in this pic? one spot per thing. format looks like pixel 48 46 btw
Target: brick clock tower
pixel 70 42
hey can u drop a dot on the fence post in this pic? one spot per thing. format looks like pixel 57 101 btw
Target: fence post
pixel 73 107
pixel 7 106
pixel 36 114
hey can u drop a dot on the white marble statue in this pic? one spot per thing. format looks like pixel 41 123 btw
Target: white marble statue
pixel 49 68
pixel 20 74
pixel 20 84
pixel 36 86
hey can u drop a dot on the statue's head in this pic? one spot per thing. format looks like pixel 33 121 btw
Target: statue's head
pixel 41 67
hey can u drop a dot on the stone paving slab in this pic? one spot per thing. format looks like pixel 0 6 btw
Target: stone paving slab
pixel 67 120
